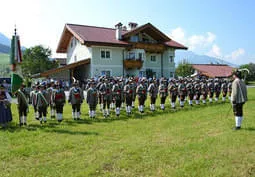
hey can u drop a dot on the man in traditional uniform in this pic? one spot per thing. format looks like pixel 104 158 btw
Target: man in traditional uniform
pixel 141 93
pixel 133 87
pixel 59 99
pixel 50 90
pixel 92 99
pixel 128 91
pixel 224 88
pixel 98 85
pixel 190 92
pixel 117 96
pixel 217 89
pixel 22 105
pixel 181 92
pixel 204 91
pixel 153 92
pixel 197 88
pixel 162 93
pixel 41 103
pixel 75 99
pixel 173 92
pixel 211 90
pixel 33 94
pixel 106 95
pixel 238 98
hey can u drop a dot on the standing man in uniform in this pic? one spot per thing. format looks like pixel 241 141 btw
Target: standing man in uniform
pixel 162 93
pixel 76 98
pixel 59 99
pixel 238 98
pixel 117 96
pixel 153 92
pixel 128 91
pixel 92 99
pixel 22 105
pixel 141 93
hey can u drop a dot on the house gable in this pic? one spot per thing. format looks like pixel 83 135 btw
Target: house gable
pixel 149 30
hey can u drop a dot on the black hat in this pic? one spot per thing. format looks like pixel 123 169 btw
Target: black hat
pixel 237 73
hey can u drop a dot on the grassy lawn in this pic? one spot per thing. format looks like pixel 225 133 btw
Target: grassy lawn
pixel 197 141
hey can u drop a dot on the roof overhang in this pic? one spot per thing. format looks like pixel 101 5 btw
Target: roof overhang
pixel 65 38
pixel 63 68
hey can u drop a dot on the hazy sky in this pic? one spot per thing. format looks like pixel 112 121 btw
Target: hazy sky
pixel 219 28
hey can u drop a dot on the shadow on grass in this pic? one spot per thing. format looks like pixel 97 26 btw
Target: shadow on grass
pixel 249 129
pixel 64 131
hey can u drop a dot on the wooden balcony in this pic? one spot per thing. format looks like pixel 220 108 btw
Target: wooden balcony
pixel 132 64
pixel 152 48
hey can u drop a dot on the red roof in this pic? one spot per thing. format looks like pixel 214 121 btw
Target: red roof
pixel 95 34
pixel 211 70
pixel 107 36
pixel 176 45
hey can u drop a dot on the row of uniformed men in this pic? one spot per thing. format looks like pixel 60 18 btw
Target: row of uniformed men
pixel 114 94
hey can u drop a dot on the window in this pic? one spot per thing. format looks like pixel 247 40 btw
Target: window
pixel 142 73
pixel 75 58
pixel 106 73
pixel 171 59
pixel 171 74
pixel 105 54
pixel 134 39
pixel 153 58
pixel 131 55
pixel 71 44
pixel 140 56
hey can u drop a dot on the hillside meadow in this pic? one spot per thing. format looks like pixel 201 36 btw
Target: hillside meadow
pixel 195 141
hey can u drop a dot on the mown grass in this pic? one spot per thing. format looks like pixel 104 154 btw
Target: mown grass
pixel 197 141
pixel 4 59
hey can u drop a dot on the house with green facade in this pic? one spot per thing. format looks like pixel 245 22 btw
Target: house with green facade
pixel 121 51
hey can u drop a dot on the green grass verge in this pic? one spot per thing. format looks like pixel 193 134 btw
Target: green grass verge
pixel 197 141
pixel 4 59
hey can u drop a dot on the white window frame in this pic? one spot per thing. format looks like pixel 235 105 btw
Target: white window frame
pixel 105 50
pixel 152 60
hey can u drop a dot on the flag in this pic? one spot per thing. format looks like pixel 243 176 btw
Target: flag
pixel 15 52
pixel 16 81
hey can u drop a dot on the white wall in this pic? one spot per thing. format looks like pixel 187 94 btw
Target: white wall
pixel 80 51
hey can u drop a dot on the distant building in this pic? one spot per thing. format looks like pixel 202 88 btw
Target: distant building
pixel 213 70
pixel 96 51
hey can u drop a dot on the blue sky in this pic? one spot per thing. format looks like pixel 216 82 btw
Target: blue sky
pixel 219 28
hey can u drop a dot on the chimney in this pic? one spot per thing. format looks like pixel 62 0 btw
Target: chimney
pixel 118 28
pixel 132 25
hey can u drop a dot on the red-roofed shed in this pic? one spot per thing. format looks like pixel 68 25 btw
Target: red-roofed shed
pixel 213 71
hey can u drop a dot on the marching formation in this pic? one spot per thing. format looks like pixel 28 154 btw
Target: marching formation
pixel 117 93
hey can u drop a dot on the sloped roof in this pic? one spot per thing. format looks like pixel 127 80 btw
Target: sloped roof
pixel 211 70
pixel 107 36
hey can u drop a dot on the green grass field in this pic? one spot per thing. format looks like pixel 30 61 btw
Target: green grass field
pixel 197 141
pixel 4 59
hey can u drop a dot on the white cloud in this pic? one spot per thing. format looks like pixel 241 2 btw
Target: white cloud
pixel 178 34
pixel 206 44
pixel 215 51
pixel 197 41
pixel 237 56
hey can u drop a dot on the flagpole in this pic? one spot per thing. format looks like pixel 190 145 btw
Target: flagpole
pixel 15 61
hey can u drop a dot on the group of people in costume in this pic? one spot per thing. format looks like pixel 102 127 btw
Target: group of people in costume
pixel 114 93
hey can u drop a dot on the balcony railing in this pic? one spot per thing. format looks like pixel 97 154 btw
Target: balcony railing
pixel 132 64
